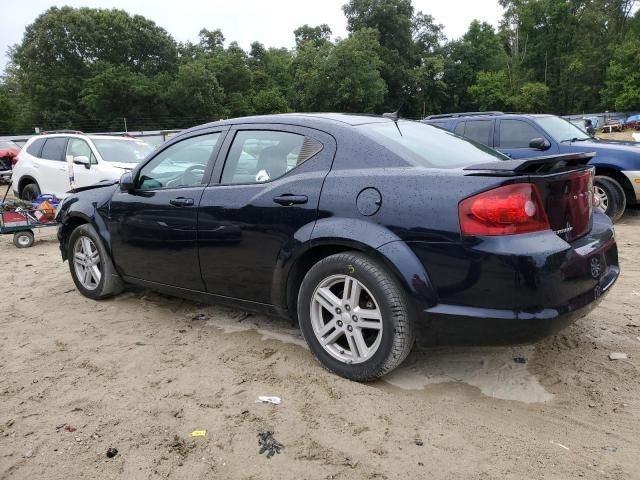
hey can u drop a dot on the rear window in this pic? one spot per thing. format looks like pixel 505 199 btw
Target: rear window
pixel 35 147
pixel 426 146
pixel 54 148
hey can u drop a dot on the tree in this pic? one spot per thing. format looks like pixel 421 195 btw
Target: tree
pixel 491 91
pixel 533 97
pixel 317 35
pixel 622 86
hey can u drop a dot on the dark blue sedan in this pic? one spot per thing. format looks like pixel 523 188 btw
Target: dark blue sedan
pixel 369 232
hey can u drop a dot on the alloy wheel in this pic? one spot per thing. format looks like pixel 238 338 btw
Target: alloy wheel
pixel 346 319
pixel 604 198
pixel 87 263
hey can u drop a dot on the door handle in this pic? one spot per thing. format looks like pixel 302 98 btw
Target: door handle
pixel 288 199
pixel 181 202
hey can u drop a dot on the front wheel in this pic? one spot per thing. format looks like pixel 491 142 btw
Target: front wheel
pixel 355 317
pixel 612 197
pixel 30 192
pixel 90 264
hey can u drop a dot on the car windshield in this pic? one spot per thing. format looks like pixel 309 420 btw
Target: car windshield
pixel 122 150
pixel 561 130
pixel 8 144
pixel 429 146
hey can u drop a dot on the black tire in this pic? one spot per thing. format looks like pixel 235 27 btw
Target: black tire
pixel 616 198
pixel 30 192
pixel 110 283
pixel 398 334
pixel 23 239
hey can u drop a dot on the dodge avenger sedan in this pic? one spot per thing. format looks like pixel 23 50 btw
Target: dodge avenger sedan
pixel 366 231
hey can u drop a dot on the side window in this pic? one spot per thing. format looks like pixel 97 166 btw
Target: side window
pixel 516 134
pixel 259 156
pixel 35 147
pixel 181 165
pixel 79 148
pixel 442 124
pixel 54 148
pixel 479 130
pixel 459 128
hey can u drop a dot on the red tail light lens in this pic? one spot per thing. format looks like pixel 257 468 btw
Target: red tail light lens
pixel 506 210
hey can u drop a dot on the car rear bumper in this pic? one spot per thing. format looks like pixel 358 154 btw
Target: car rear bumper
pixel 634 178
pixel 517 290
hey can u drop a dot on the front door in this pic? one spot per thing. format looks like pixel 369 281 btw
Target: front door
pixel 266 201
pixel 153 228
pixel 84 175
pixel 514 137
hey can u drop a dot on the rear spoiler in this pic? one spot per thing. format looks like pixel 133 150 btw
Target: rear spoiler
pixel 546 164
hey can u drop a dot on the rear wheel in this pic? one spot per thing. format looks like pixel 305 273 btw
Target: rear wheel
pixel 612 196
pixel 354 316
pixel 90 264
pixel 30 192
pixel 23 239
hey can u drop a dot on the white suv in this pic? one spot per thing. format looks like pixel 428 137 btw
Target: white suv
pixel 44 162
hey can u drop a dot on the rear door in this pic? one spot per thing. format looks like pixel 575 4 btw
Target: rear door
pixel 51 167
pixel 266 202
pixel 480 131
pixel 513 137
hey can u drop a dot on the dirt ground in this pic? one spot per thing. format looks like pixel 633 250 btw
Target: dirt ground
pixel 138 374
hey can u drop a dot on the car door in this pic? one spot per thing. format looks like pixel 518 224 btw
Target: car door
pixel 514 136
pixel 266 201
pixel 153 227
pixel 84 175
pixel 480 131
pixel 51 167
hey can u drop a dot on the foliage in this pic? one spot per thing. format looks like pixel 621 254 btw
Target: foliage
pixel 622 87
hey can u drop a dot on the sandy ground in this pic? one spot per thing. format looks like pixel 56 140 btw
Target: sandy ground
pixel 138 374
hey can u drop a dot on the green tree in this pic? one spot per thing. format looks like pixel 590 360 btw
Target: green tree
pixel 622 86
pixel 491 91
pixel 533 97
pixel 318 34
pixel 269 101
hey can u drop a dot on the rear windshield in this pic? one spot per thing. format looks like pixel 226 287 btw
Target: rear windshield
pixel 126 151
pixel 427 146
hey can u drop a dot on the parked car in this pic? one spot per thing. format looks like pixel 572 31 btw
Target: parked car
pixel 633 122
pixel 8 157
pixel 612 125
pixel 617 163
pixel 43 163
pixel 367 232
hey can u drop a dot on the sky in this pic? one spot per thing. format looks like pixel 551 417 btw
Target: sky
pixel 270 22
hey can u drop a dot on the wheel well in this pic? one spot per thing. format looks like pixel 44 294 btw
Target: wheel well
pixel 300 269
pixel 621 178
pixel 67 228
pixel 24 181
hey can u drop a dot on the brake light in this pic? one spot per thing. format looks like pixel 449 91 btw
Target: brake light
pixel 14 161
pixel 506 210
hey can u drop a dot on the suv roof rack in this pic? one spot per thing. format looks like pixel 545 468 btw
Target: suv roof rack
pixel 463 114
pixel 47 132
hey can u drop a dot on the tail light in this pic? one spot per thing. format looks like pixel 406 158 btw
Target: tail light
pixel 14 161
pixel 506 210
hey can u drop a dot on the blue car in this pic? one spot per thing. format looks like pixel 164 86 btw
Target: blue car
pixel 617 163
pixel 368 232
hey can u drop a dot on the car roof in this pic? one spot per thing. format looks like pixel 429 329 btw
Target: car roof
pixel 488 116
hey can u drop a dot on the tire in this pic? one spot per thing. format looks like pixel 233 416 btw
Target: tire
pixel 383 349
pixel 23 239
pixel 84 238
pixel 612 196
pixel 30 192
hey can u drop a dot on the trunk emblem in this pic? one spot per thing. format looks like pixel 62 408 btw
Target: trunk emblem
pixel 596 268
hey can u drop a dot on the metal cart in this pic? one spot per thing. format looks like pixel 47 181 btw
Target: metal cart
pixel 22 222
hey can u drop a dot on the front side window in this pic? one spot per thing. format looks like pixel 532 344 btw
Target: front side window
pixel 258 156
pixel 517 134
pixel 181 165
pixel 54 148
pixel 80 148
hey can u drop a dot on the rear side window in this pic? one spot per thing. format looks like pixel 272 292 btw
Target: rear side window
pixel 479 130
pixel 517 134
pixel 35 147
pixel 459 128
pixel 54 148
pixel 442 124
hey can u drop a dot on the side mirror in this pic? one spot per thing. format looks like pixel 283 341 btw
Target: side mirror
pixel 126 182
pixel 82 160
pixel 539 144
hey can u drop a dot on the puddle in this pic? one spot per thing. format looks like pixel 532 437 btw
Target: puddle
pixel 492 370
pixel 268 329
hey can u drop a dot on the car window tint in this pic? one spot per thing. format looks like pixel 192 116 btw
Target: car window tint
pixel 516 134
pixel 35 147
pixel 479 131
pixel 442 124
pixel 459 128
pixel 181 165
pixel 259 156
pixel 79 148
pixel 54 148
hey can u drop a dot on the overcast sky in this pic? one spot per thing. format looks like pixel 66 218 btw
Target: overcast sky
pixel 270 22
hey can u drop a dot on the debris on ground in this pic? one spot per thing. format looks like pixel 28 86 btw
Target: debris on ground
pixel 560 445
pixel 112 452
pixel 418 441
pixel 520 359
pixel 617 356
pixel 198 433
pixel 266 399
pixel 180 446
pixel 69 428
pixel 269 444
pixel 200 317
pixel 610 449
pixel 27 454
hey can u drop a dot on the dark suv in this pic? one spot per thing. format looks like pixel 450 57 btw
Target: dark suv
pixel 362 229
pixel 617 163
